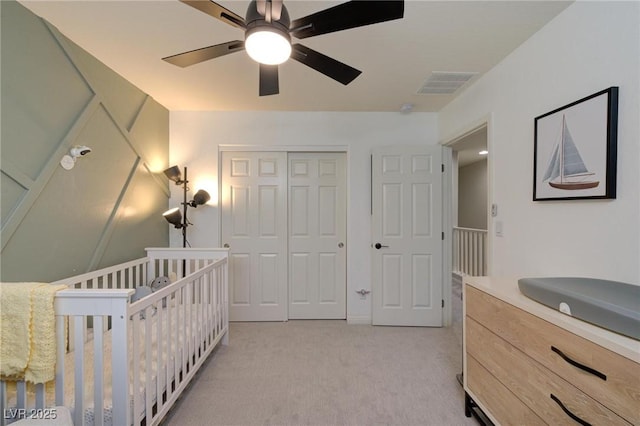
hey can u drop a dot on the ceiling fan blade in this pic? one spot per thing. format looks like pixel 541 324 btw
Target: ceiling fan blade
pixel 269 80
pixel 219 12
pixel 204 54
pixel 338 71
pixel 356 13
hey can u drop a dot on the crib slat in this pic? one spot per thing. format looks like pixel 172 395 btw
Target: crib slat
pixel 158 352
pixel 40 396
pixel 216 303
pixel 177 359
pixel 225 302
pixel 98 368
pixel 21 391
pixel 200 317
pixel 148 349
pixel 207 309
pixel 3 399
pixel 169 346
pixel 143 276
pixel 187 330
pixel 135 331
pixel 78 354
pixel 60 355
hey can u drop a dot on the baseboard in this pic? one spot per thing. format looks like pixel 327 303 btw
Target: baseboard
pixel 359 320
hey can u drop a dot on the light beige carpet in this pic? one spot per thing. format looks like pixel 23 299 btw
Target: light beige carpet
pixel 329 373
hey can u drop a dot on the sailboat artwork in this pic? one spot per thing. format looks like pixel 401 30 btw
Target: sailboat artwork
pixel 566 169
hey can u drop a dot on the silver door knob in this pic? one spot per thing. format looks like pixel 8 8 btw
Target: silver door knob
pixel 225 245
pixel 340 245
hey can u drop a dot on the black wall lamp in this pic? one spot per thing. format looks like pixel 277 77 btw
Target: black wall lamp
pixel 174 216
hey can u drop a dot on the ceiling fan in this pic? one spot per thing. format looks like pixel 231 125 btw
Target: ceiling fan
pixel 268 32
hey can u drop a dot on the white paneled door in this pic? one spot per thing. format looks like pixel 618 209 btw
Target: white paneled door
pixel 407 236
pixel 317 236
pixel 284 222
pixel 254 227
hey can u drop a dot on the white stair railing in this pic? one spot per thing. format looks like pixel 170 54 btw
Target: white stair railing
pixel 469 251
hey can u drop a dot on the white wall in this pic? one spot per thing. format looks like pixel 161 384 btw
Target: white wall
pixel 472 195
pixel 588 47
pixel 195 137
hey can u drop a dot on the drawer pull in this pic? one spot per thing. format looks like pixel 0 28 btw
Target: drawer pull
pixel 578 365
pixel 569 413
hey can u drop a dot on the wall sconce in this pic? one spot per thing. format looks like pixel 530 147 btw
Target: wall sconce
pixel 174 216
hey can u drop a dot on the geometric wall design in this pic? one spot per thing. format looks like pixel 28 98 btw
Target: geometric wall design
pixel 108 208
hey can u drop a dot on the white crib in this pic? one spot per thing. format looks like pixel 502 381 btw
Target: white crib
pixel 126 363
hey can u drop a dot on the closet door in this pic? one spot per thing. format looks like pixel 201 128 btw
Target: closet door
pixel 254 226
pixel 317 235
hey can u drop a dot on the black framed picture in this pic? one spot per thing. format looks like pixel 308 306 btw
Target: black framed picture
pixel 575 149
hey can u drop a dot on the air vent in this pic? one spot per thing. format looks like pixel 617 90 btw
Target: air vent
pixel 445 83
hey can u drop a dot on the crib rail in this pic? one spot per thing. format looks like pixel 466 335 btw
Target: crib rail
pixel 125 275
pixel 189 318
pixel 181 262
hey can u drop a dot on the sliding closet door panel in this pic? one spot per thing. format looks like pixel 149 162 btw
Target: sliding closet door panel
pixel 254 225
pixel 317 235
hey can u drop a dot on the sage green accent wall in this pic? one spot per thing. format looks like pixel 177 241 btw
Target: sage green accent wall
pixel 108 208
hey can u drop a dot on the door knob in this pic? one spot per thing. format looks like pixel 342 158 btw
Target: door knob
pixel 340 245
pixel 225 245
pixel 379 246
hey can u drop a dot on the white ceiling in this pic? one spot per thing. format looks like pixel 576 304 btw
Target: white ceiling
pixel 395 57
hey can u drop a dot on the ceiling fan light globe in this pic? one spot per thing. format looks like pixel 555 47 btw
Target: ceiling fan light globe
pixel 267 47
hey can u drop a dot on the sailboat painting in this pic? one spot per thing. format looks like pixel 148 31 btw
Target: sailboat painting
pixel 566 169
pixel 575 149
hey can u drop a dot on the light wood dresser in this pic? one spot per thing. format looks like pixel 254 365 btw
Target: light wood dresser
pixel 527 364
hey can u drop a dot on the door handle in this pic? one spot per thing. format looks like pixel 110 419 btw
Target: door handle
pixel 340 245
pixel 379 246
pixel 226 245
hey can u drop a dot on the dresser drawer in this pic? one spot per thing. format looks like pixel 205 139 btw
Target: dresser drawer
pixel 541 390
pixel 614 381
pixel 504 405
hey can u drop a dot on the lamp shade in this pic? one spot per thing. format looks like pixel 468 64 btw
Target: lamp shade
pixel 174 217
pixel 200 197
pixel 173 173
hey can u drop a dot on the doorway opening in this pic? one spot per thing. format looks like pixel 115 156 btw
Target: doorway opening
pixel 470 213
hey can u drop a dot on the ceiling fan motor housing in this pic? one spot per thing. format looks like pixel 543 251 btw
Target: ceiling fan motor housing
pixel 256 22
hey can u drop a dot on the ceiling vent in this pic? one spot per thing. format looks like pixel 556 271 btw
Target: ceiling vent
pixel 445 83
